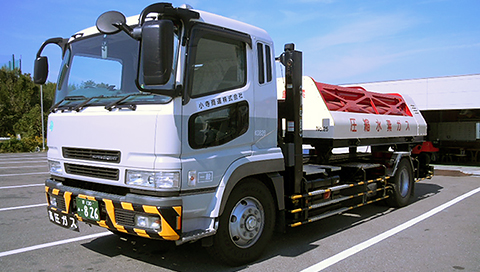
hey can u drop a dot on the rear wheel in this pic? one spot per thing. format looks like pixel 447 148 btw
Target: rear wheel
pixel 246 224
pixel 402 185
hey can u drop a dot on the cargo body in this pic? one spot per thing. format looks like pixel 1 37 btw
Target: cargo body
pixel 170 125
pixel 343 113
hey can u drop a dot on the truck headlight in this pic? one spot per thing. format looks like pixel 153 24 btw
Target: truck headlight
pixel 158 180
pixel 55 167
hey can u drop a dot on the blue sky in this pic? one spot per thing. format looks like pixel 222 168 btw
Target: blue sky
pixel 343 41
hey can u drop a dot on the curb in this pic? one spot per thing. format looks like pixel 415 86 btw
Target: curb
pixel 456 171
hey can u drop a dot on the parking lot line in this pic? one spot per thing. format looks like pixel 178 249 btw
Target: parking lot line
pixel 56 243
pixel 26 166
pixel 24 162
pixel 22 186
pixel 355 249
pixel 22 207
pixel 22 159
pixel 24 174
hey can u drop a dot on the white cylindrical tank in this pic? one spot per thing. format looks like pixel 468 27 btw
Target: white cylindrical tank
pixel 335 112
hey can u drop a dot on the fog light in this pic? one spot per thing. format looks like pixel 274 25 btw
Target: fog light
pixel 147 222
pixel 53 201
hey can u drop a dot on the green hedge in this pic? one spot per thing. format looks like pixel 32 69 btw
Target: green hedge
pixel 13 145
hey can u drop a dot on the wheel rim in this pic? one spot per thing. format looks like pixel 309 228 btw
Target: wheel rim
pixel 246 222
pixel 404 182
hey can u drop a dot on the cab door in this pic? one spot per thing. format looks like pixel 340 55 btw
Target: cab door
pixel 217 110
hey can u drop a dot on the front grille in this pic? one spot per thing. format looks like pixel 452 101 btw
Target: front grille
pixel 103 188
pixel 60 202
pixel 92 171
pixel 91 154
pixel 125 217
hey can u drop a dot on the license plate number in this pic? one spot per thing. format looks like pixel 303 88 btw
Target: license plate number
pixel 88 209
pixel 65 220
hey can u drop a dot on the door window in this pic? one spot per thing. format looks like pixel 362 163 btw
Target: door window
pixel 219 64
pixel 218 126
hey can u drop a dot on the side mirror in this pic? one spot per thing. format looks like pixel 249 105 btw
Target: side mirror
pixel 157 51
pixel 41 70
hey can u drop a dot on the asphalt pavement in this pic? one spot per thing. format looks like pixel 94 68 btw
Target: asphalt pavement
pixel 438 231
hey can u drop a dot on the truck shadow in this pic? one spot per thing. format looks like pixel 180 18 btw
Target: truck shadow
pixel 297 241
pixel 302 239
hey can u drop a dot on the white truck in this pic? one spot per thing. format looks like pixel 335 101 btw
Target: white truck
pixel 171 125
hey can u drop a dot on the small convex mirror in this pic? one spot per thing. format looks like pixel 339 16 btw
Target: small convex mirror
pixel 108 22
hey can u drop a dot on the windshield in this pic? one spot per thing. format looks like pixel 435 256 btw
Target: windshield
pixel 102 69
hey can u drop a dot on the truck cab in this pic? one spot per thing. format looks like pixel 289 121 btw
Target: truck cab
pixel 168 139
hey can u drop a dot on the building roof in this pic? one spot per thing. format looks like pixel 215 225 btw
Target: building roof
pixel 437 93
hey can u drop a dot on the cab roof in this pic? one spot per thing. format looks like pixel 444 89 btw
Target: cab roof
pixel 205 17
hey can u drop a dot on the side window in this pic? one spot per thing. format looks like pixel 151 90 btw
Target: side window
pixel 219 64
pixel 218 126
pixel 261 66
pixel 264 56
pixel 268 61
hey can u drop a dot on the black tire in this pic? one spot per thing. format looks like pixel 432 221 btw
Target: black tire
pixel 402 185
pixel 246 225
pixel 424 159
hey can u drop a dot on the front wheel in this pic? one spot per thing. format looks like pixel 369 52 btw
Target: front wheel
pixel 246 224
pixel 402 185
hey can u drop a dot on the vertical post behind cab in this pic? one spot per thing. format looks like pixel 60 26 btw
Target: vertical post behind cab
pixel 292 60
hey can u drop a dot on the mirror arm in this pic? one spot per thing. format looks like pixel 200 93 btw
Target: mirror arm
pixel 41 63
pixel 167 10
pixel 134 33
pixel 61 42
pixel 178 91
pixel 157 7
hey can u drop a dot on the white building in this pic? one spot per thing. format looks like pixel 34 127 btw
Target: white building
pixel 451 107
pixel 437 93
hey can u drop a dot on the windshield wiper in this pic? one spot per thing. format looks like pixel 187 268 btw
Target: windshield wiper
pixel 115 104
pixel 80 106
pixel 55 107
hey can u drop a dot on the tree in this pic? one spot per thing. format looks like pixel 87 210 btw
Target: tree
pixel 48 96
pixel 20 103
pixel 18 94
pixel 30 125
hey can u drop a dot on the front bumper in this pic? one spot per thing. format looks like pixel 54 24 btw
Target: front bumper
pixel 117 212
